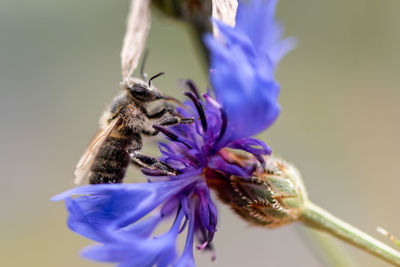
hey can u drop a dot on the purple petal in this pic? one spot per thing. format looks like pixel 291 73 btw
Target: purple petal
pixel 187 259
pixel 217 163
pixel 206 210
pixel 250 145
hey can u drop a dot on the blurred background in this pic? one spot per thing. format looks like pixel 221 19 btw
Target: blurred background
pixel 60 66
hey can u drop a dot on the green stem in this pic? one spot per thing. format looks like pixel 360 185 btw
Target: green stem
pixel 318 218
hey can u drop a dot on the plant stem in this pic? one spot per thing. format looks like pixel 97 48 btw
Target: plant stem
pixel 318 218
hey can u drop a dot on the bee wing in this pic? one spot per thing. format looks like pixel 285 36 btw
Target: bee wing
pixel 86 161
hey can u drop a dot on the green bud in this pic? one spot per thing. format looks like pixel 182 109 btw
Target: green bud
pixel 273 196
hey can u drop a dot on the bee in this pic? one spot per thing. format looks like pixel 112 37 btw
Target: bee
pixel 119 140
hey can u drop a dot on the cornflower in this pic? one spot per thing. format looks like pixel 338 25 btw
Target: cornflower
pixel 123 217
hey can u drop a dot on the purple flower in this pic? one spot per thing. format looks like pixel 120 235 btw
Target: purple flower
pixel 123 218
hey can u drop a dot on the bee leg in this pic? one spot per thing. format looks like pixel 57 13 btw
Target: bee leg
pixel 151 165
pixel 167 122
pixel 171 121
pixel 171 109
pixel 155 172
pixel 175 120
pixel 156 114
pixel 162 109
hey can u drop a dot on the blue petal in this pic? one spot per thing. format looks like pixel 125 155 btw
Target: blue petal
pixel 106 253
pixel 106 208
pixel 133 250
pixel 80 223
pixel 262 21
pixel 243 65
pixel 244 93
pixel 145 227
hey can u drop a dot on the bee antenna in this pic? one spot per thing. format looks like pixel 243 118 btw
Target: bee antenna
pixel 144 60
pixel 155 76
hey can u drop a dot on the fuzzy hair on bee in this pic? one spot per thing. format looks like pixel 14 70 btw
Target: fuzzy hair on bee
pixel 119 139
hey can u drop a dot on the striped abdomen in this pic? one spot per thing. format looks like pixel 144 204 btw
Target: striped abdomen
pixel 111 161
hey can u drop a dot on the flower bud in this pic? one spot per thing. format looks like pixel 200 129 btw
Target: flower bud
pixel 273 195
pixel 197 12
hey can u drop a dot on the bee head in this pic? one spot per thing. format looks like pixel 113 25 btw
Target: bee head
pixel 141 90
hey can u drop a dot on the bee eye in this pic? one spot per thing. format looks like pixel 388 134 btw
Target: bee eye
pixel 140 91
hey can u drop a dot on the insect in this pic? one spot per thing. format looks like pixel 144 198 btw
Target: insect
pixel 119 140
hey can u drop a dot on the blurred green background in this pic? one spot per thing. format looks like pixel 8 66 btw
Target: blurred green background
pixel 60 66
